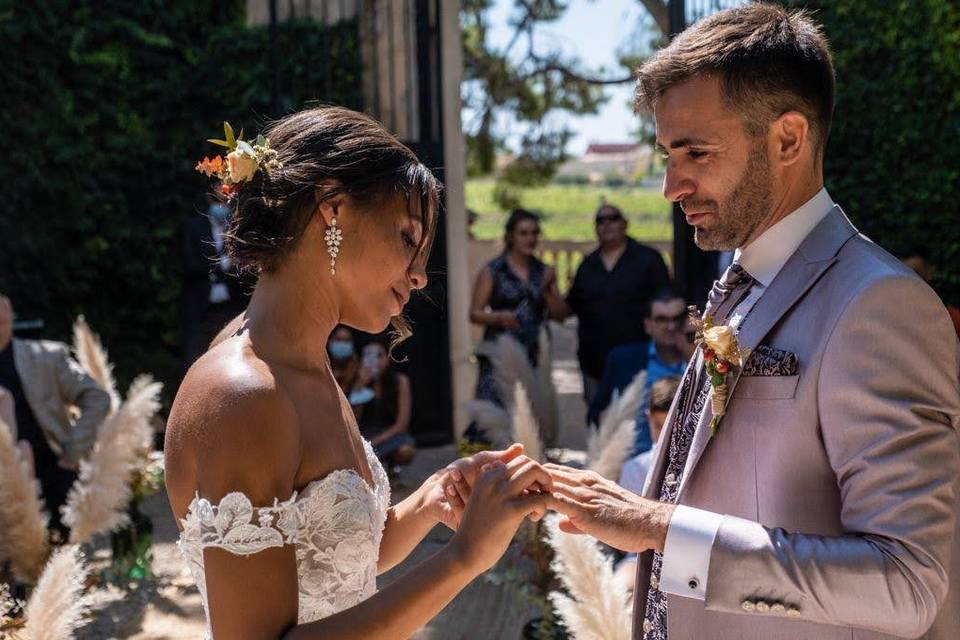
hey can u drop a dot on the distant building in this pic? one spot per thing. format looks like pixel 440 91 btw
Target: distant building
pixel 603 162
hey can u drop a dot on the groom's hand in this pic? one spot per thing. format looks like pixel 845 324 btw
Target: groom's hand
pixel 594 505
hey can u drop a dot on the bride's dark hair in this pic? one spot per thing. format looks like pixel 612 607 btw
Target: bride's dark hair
pixel 324 152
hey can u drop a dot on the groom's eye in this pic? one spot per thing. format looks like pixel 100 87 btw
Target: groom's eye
pixel 696 154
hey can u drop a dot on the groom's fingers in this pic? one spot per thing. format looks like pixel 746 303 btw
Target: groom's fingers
pixel 566 525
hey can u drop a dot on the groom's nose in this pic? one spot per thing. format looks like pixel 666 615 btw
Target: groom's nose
pixel 676 185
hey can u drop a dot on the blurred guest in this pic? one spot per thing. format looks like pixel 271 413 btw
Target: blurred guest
pixel 917 259
pixel 213 291
pixel 343 357
pixel 513 294
pixel 471 220
pixel 45 384
pixel 384 418
pixel 634 472
pixel 664 354
pixel 611 290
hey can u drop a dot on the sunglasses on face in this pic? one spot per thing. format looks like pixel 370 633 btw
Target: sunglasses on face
pixel 608 218
pixel 532 232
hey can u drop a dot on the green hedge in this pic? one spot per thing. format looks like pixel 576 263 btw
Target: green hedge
pixel 106 107
pixel 893 161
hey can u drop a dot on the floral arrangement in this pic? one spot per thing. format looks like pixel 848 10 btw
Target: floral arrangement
pixel 241 163
pixel 721 352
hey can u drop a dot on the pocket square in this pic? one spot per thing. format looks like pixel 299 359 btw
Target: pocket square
pixel 767 361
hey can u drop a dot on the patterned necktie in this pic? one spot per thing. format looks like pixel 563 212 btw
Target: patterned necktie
pixel 726 294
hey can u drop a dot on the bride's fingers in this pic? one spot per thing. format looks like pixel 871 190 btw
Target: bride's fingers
pixel 453 497
pixel 530 475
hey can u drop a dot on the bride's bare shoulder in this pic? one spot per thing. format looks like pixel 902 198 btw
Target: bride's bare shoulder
pixel 232 427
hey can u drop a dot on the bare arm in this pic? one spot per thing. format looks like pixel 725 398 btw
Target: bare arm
pixel 479 313
pixel 557 307
pixel 255 596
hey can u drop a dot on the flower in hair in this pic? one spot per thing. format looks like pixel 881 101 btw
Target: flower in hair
pixel 241 163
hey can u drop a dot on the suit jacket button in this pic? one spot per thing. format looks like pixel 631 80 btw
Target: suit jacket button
pixel 693 584
pixel 748 605
pixel 762 606
pixel 776 607
pixel 793 612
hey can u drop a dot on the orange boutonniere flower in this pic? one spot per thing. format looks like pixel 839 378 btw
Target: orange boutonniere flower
pixel 721 353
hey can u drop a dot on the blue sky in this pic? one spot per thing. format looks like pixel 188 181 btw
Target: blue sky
pixel 594 31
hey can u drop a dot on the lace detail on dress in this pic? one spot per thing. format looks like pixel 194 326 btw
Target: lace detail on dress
pixel 336 524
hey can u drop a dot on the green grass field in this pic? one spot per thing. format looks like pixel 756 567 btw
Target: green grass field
pixel 568 210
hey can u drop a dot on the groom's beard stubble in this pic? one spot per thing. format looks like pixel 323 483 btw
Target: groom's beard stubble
pixel 743 211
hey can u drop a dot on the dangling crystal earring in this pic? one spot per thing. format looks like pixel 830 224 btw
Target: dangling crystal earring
pixel 333 238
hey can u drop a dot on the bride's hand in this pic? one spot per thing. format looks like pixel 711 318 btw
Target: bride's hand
pixel 445 494
pixel 501 498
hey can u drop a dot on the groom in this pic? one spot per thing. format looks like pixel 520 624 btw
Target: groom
pixel 825 504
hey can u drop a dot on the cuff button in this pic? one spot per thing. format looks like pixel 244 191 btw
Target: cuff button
pixel 762 606
pixel 748 605
pixel 793 612
pixel 694 584
pixel 776 607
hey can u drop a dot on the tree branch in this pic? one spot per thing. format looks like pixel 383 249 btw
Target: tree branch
pixel 660 11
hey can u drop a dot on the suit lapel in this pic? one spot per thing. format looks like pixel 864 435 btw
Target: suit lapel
pixel 810 261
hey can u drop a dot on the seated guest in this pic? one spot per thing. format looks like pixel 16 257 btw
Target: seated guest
pixel 45 384
pixel 384 417
pixel 665 354
pixel 634 472
pixel 343 357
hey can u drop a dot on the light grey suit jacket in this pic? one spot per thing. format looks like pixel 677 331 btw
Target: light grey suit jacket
pixel 53 382
pixel 840 484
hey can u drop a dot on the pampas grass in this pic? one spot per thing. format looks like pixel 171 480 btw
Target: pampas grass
pixel 23 520
pixel 93 358
pixel 596 605
pixel 493 420
pixel 97 501
pixel 525 429
pixel 57 606
pixel 511 366
pixel 609 446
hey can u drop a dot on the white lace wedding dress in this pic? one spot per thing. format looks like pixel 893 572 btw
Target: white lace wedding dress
pixel 336 523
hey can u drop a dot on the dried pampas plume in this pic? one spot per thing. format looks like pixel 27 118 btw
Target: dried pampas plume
pixel 511 366
pixel 93 358
pixel 596 605
pixel 57 606
pixel 493 420
pixel 97 500
pixel 23 521
pixel 525 429
pixel 610 445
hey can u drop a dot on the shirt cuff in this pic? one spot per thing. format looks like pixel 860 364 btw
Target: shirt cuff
pixel 686 552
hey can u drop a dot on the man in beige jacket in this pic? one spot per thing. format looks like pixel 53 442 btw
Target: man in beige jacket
pixel 40 384
pixel 820 500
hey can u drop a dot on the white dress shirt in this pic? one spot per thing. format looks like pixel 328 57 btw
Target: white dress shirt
pixel 690 535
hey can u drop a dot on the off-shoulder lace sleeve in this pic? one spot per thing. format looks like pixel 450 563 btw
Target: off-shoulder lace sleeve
pixel 230 524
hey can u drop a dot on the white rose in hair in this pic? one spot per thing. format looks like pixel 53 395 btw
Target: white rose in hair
pixel 242 162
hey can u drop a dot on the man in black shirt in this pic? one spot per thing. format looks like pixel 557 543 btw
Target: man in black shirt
pixel 610 294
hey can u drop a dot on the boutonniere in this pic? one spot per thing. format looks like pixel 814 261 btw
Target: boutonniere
pixel 721 353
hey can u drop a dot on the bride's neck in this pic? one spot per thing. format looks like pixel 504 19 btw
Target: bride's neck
pixel 291 315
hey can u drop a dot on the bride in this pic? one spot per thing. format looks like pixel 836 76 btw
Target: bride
pixel 284 511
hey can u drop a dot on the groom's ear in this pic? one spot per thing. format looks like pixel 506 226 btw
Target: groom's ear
pixel 791 133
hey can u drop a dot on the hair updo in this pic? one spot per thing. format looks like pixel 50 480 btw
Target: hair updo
pixel 351 152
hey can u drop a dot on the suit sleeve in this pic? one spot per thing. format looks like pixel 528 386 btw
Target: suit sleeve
pixel 79 389
pixel 888 407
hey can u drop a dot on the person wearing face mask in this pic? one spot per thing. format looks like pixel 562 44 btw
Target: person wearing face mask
pixel 343 357
pixel 213 293
pixel 384 418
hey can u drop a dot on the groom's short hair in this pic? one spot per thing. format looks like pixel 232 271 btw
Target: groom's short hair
pixel 769 61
